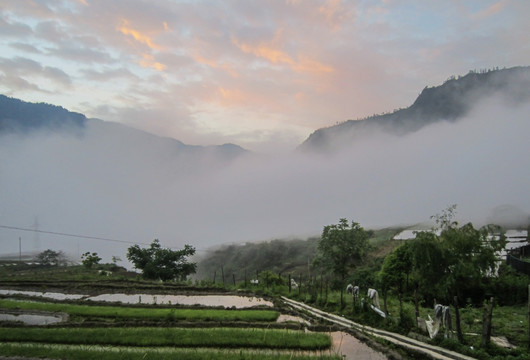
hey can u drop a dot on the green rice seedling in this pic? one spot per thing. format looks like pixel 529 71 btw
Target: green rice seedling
pixel 80 352
pixel 179 337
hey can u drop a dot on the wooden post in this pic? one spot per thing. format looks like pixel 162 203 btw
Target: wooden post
pixel 416 306
pixel 300 285
pixel 352 301
pixel 486 322
pixel 457 321
pixel 289 283
pixel 214 273
pixel 234 279
pixel 320 286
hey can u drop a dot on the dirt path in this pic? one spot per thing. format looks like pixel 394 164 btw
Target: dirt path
pixel 349 347
pixel 429 351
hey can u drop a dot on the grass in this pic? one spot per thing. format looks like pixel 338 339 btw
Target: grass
pixel 112 353
pixel 178 337
pixel 95 311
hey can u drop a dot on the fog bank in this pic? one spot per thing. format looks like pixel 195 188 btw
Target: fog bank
pixel 120 186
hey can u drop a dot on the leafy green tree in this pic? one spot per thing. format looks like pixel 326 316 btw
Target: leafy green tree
pixel 90 259
pixel 51 258
pixel 472 255
pixel 429 265
pixel 340 248
pixel 395 271
pixel 157 263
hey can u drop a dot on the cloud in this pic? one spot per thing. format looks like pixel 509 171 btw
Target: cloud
pixel 125 186
pixel 25 69
pixel 310 64
pixel 14 28
pixel 276 56
pixel 125 28
pixel 491 10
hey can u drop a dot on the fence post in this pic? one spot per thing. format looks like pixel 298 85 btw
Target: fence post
pixel 300 285
pixel 486 322
pixel 457 321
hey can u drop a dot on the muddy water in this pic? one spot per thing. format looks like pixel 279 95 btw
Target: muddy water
pixel 349 347
pixel 47 295
pixel 32 319
pixel 227 301
pixel 204 300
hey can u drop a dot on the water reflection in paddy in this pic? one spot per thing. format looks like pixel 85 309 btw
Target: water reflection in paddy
pixel 227 301
pixel 48 295
pixel 203 300
pixel 32 319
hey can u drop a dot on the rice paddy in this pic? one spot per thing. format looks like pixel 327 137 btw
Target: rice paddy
pixel 92 333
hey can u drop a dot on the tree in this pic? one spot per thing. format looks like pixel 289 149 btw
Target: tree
pixel 164 264
pixel 50 258
pixel 90 259
pixel 395 271
pixel 340 248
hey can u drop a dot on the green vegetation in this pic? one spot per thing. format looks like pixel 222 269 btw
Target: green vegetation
pixel 157 263
pixel 121 312
pixel 90 259
pixel 340 249
pixel 167 336
pixel 51 258
pixel 91 352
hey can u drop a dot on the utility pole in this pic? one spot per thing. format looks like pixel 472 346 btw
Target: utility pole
pixel 19 249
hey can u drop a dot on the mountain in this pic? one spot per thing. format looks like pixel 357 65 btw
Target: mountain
pixel 23 117
pixel 20 117
pixel 450 102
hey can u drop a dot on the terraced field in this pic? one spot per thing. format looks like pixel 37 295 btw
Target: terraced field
pixel 90 330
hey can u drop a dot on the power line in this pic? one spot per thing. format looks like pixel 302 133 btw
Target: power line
pixel 70 235
pixel 89 237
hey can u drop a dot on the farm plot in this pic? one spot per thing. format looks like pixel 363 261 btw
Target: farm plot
pixel 102 339
pixel 144 313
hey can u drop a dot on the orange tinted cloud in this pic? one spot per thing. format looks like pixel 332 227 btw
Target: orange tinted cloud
pixel 231 97
pixel 148 61
pixel 126 29
pixel 213 64
pixel 276 56
pixel 334 13
pixel 492 10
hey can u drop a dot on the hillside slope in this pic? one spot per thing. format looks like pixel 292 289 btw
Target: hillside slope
pixel 450 101
pixel 24 118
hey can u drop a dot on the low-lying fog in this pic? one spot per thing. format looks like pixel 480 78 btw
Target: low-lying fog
pixel 116 187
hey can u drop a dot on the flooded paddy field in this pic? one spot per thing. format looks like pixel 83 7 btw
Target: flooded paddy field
pixel 214 300
pixel 269 340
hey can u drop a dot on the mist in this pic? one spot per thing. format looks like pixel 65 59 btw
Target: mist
pixel 120 186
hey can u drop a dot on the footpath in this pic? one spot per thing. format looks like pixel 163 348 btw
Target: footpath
pixel 429 351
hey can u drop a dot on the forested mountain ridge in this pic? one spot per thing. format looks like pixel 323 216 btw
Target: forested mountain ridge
pixel 20 117
pixel 450 101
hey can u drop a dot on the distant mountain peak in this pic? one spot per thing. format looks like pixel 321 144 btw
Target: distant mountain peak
pixel 17 116
pixel 450 101
pixel 23 117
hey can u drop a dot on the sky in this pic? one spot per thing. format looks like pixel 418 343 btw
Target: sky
pixel 260 74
